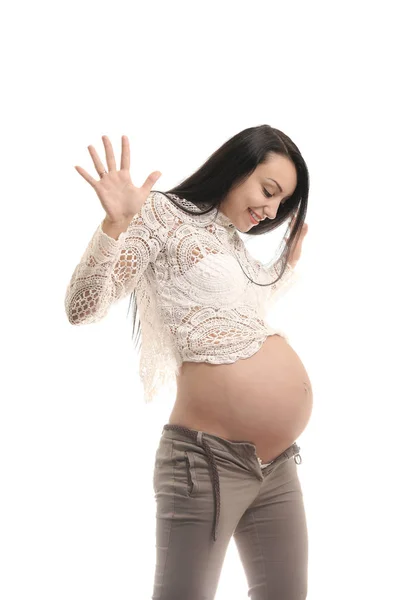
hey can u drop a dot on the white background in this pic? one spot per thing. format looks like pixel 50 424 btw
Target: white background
pixel 77 442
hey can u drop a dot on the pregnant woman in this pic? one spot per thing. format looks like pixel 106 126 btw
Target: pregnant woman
pixel 226 464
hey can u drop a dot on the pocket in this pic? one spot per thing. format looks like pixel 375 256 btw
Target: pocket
pixel 155 473
pixel 163 466
pixel 192 482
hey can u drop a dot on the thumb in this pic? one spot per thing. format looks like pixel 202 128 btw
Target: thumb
pixel 152 178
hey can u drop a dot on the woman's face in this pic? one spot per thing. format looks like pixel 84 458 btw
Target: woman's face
pixel 253 193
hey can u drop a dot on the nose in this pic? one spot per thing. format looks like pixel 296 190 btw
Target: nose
pixel 270 214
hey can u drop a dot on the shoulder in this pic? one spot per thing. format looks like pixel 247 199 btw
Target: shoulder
pixel 183 209
pixel 158 199
pixel 162 206
pixel 157 208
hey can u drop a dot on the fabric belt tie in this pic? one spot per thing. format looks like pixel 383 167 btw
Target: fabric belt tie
pixel 197 436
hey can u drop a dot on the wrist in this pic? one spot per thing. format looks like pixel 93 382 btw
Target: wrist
pixel 117 222
pixel 114 229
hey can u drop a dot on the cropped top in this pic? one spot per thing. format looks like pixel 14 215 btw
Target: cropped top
pixel 194 299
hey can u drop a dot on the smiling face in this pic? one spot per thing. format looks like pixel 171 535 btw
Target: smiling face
pixel 254 192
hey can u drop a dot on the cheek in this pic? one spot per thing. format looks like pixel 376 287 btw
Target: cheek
pixel 251 198
pixel 246 202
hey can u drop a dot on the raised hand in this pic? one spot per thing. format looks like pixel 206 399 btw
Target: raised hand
pixel 119 197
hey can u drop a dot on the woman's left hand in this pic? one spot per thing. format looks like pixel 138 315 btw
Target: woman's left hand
pixel 295 252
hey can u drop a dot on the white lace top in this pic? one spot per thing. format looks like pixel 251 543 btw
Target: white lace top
pixel 194 301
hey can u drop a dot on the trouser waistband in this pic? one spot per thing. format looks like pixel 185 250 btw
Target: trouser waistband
pixel 197 436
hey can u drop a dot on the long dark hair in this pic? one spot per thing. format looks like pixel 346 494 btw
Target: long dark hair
pixel 231 165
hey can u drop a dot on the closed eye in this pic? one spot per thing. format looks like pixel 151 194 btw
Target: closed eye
pixel 270 196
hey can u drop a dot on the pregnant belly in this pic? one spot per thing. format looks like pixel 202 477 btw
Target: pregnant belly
pixel 265 399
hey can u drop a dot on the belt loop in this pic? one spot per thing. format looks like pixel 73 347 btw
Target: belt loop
pixel 200 438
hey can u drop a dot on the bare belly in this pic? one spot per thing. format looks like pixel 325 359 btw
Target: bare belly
pixel 265 399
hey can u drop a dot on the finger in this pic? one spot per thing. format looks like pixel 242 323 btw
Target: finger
pixel 150 181
pixel 109 154
pixel 86 176
pixel 97 162
pixel 125 154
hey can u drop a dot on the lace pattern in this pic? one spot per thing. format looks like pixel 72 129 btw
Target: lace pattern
pixel 194 300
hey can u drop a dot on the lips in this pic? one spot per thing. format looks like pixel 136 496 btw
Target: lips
pixel 253 219
pixel 259 216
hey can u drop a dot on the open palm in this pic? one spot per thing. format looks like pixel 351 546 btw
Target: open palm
pixel 119 197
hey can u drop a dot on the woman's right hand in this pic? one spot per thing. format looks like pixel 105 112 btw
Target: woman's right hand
pixel 119 197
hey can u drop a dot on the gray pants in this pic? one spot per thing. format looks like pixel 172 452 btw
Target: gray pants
pixel 208 489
